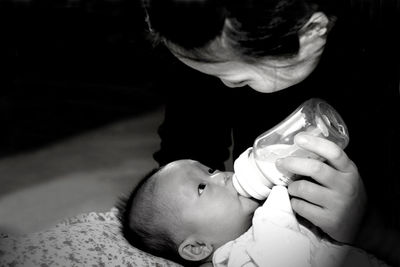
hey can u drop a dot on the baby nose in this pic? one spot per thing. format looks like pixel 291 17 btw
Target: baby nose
pixel 221 178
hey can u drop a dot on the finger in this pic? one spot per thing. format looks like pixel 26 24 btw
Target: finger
pixel 310 192
pixel 307 210
pixel 319 171
pixel 327 149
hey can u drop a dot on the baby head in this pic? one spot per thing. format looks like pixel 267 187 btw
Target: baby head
pixel 184 211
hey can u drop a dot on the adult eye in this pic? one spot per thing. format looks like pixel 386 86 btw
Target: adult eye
pixel 201 188
pixel 211 171
pixel 240 83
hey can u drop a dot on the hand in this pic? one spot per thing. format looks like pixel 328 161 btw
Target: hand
pixel 336 200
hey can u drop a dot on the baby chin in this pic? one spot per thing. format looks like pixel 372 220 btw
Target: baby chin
pixel 249 204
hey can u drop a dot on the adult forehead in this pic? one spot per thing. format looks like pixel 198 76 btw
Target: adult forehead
pixel 215 51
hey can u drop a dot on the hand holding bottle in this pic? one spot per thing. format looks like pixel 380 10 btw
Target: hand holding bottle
pixel 335 199
pixel 255 169
pixel 309 142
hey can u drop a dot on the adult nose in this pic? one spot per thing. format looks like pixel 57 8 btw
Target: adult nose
pixel 234 84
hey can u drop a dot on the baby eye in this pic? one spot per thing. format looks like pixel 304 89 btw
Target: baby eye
pixel 201 188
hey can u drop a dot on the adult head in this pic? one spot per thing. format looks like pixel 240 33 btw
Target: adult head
pixel 268 45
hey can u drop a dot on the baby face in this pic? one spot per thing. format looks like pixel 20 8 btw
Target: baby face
pixel 205 201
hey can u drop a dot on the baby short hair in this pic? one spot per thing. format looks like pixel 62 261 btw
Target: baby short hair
pixel 139 222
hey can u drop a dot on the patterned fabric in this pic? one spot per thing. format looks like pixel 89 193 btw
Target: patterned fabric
pixel 91 239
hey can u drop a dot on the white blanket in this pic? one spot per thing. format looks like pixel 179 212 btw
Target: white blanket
pixel 278 239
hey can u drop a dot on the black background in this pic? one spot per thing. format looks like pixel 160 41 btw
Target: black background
pixel 71 66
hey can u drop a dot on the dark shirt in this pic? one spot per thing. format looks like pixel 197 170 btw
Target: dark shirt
pixel 358 75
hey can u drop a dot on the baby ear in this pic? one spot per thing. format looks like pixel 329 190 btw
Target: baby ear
pixel 194 250
pixel 316 26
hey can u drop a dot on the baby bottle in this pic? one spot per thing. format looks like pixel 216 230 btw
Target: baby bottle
pixel 255 170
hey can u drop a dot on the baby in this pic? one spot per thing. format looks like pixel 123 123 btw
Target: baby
pixel 191 214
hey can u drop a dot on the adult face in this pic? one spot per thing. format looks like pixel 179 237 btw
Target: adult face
pixel 268 74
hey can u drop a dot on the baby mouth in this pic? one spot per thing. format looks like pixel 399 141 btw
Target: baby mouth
pixel 252 199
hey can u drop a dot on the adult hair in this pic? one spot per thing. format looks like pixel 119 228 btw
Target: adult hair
pixel 143 221
pixel 250 28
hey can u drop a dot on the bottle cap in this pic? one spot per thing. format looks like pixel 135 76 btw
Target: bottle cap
pixel 248 179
